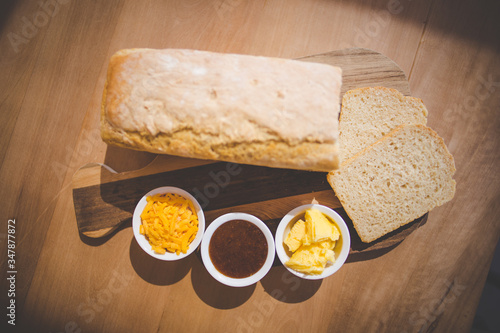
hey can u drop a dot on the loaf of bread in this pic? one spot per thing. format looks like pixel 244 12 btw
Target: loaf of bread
pixel 238 108
pixel 395 181
pixel 368 114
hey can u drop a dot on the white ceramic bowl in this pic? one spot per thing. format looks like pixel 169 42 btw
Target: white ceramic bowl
pixel 142 240
pixel 341 249
pixel 235 282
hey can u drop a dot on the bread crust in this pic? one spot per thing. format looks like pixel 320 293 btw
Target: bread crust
pixel 244 109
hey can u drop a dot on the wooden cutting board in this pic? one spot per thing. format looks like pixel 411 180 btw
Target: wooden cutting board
pixel 105 200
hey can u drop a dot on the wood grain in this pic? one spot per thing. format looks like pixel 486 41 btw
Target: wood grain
pixel 364 68
pixel 32 104
pixel 49 101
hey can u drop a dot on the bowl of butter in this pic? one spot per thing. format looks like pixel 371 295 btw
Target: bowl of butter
pixel 312 241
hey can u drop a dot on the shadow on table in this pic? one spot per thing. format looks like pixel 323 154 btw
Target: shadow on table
pixel 446 17
pixel 6 7
pixel 283 286
pixel 127 223
pixel 214 293
pixel 279 283
pixel 156 271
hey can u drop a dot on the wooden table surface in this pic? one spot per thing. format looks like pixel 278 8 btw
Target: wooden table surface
pixel 54 55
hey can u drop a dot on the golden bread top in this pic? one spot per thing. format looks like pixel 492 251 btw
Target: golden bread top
pixel 238 97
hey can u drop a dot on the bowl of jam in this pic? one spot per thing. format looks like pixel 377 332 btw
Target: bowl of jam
pixel 238 249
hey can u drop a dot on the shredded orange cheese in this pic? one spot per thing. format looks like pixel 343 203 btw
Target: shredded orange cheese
pixel 169 222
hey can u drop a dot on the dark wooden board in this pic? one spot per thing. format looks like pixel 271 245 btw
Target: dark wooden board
pixel 105 200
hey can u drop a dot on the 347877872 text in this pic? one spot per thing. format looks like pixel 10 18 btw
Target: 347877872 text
pixel 11 271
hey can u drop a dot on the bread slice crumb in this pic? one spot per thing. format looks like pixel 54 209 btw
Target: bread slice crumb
pixel 394 181
pixel 368 114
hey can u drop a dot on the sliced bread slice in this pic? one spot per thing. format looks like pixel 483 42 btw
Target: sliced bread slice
pixel 368 114
pixel 395 181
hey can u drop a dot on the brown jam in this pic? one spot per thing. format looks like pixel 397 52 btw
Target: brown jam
pixel 238 249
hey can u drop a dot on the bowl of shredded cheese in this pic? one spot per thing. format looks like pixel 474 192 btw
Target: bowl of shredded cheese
pixel 168 223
